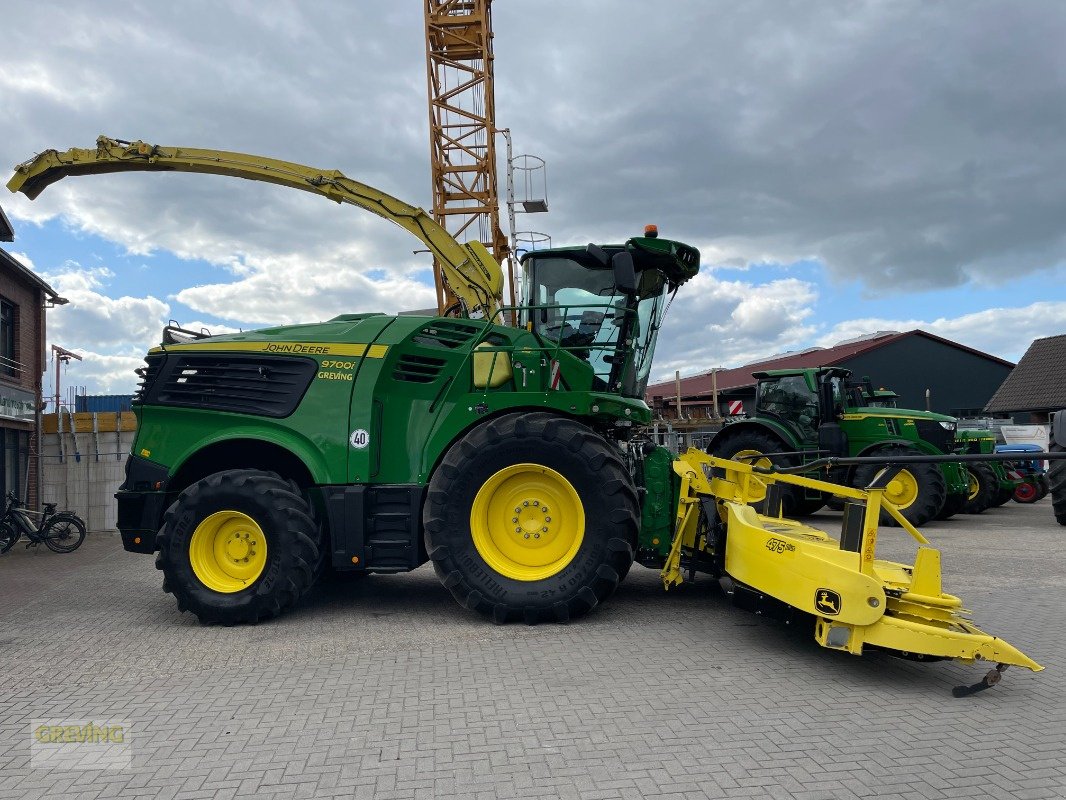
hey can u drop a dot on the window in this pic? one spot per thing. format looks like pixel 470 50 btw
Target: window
pixel 8 361
pixel 15 447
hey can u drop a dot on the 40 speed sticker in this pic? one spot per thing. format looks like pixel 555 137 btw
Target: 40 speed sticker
pixel 359 439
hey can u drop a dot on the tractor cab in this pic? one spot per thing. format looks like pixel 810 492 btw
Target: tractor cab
pixel 805 399
pixel 604 305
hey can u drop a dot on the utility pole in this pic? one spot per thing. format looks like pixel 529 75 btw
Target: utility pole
pixel 62 356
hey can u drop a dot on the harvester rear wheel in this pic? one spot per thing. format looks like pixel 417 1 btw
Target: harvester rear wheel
pixel 238 546
pixel 983 488
pixel 531 516
pixel 918 489
pixel 1056 474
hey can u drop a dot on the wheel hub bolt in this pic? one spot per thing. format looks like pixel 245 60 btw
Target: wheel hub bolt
pixel 544 529
pixel 547 519
pixel 525 502
pixel 527 536
pixel 518 510
pixel 514 519
pixel 536 502
pixel 519 530
pixel 544 509
pixel 536 535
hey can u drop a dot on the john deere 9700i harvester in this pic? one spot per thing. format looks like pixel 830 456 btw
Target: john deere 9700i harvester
pixel 508 455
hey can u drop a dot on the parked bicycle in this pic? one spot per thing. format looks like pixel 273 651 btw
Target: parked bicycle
pixel 62 533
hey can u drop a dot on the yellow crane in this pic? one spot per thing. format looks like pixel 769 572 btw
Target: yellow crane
pixel 462 127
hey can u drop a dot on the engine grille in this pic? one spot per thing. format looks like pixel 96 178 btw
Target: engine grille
pixel 932 432
pixel 418 369
pixel 269 386
pixel 148 374
pixel 447 334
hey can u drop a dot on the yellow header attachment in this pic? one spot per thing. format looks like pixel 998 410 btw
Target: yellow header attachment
pixel 468 270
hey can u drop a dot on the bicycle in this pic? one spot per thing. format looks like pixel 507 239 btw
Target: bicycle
pixel 61 533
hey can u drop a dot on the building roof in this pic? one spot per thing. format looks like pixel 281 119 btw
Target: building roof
pixel 1038 383
pixel 8 261
pixel 741 377
pixel 7 233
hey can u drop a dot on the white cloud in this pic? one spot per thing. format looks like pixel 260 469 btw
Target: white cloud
pixel 1005 330
pixel 93 320
pixel 714 322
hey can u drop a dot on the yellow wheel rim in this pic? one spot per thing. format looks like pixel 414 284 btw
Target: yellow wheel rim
pixel 902 490
pixel 974 485
pixel 228 551
pixel 527 522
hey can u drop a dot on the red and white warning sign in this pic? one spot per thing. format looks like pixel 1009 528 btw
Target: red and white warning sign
pixel 554 381
pixel 736 407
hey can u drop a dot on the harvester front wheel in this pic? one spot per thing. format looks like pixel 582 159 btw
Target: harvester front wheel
pixel 918 490
pixel 238 546
pixel 531 516
pixel 983 488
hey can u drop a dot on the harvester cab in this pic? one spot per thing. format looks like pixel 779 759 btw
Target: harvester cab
pixel 604 305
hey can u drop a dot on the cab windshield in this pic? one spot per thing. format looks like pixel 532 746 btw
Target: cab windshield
pixel 790 399
pixel 572 301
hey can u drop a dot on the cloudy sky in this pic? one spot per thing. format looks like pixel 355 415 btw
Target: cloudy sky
pixel 844 167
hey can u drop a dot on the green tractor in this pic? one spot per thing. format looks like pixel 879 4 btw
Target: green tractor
pixel 803 414
pixel 992 483
pixel 989 484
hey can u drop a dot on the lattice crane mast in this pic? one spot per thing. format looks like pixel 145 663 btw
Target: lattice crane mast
pixel 462 113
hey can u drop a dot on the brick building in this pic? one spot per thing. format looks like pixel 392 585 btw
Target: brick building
pixel 23 300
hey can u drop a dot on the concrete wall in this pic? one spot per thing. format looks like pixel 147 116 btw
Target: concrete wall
pixel 83 460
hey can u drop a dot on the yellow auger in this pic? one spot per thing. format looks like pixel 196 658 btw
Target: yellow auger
pixel 856 599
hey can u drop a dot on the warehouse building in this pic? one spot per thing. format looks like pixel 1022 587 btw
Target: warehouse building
pixel 927 371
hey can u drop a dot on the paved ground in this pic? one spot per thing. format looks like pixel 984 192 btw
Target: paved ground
pixel 386 688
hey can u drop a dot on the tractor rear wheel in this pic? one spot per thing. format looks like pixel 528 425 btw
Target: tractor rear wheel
pixel 749 446
pixel 531 516
pixel 953 504
pixel 983 488
pixel 1056 474
pixel 1002 496
pixel 918 490
pixel 238 546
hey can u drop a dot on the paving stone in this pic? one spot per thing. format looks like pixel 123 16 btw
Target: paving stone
pixel 386 688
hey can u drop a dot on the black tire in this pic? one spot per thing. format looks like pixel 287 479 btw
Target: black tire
pixel 835 503
pixel 1044 485
pixel 1003 495
pixel 1056 474
pixel 754 441
pixel 806 506
pixel 293 542
pixel 928 481
pixel 984 488
pixel 8 537
pixel 597 476
pixel 64 533
pixel 953 504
